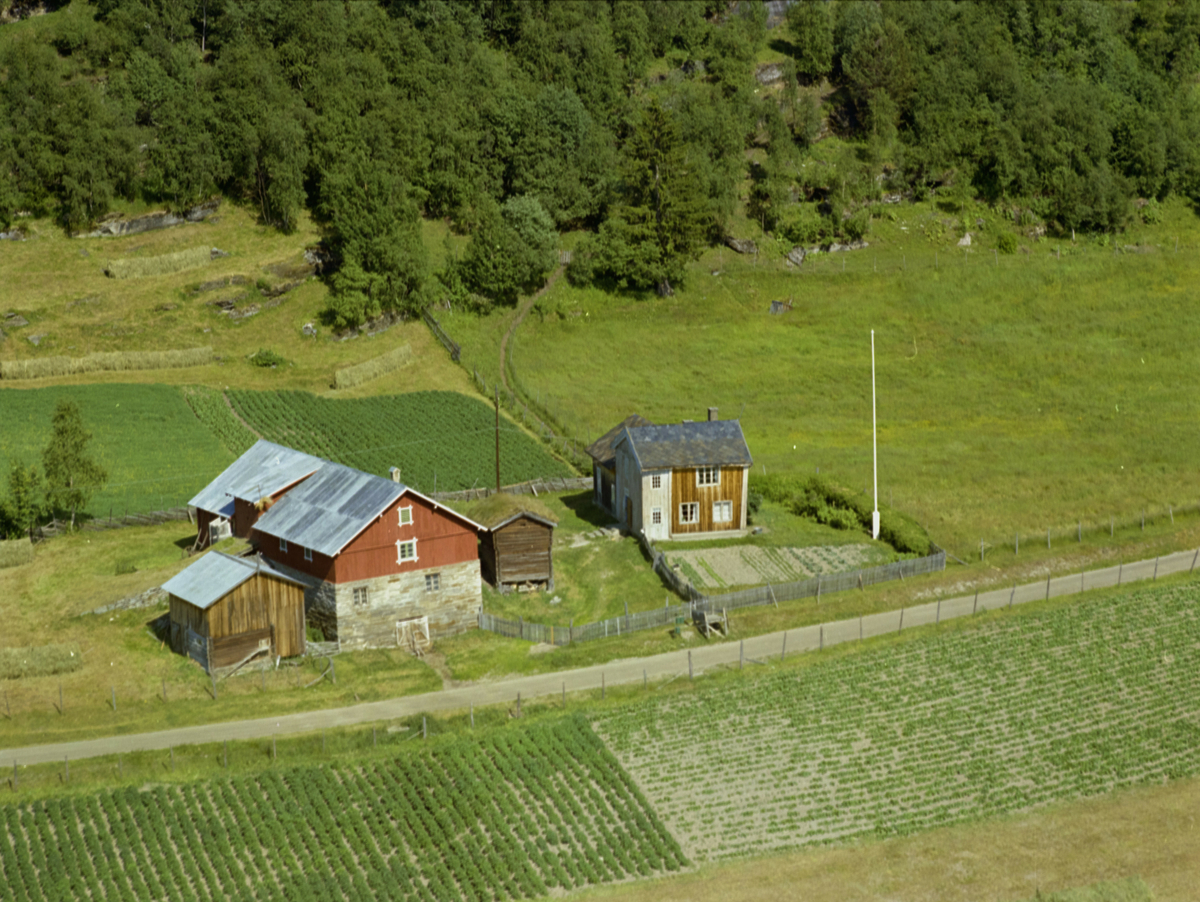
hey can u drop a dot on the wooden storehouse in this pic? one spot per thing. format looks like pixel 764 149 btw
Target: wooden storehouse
pixel 226 610
pixel 515 548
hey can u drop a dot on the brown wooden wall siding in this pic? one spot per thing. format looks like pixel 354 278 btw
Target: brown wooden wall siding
pixel 523 551
pixel 233 649
pixel 684 489
pixel 203 519
pixel 257 604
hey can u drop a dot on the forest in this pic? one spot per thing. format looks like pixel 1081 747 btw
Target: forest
pixel 647 124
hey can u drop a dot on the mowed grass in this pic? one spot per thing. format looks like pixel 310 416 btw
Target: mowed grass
pixel 157 453
pixel 1014 392
pixel 58 284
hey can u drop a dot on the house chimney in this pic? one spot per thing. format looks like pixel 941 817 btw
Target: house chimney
pixel 394 472
pixel 712 414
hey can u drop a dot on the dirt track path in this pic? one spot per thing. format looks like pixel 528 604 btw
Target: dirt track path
pixel 522 312
pixel 656 668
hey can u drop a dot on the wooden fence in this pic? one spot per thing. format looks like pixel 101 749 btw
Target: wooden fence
pixel 449 343
pixel 679 614
pixel 531 487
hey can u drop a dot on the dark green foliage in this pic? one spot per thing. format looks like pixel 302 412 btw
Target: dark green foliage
pixel 72 476
pixel 811 29
pixel 827 502
pixel 265 357
pixel 1007 243
pixel 512 248
pixel 23 505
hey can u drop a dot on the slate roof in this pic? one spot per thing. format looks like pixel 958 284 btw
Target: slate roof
pixel 261 471
pixel 601 450
pixel 330 508
pixel 703 444
pixel 216 575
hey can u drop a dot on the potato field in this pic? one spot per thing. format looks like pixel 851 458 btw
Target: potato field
pixel 970 723
pixel 426 434
pixel 521 813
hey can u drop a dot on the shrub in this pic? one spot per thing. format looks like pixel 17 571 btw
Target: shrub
pixel 1007 243
pixel 842 508
pixel 350 376
pixel 1152 212
pixel 143 267
pixel 801 224
pixel 266 357
pixel 856 227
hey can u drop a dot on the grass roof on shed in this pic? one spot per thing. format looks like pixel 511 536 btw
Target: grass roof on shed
pixel 495 509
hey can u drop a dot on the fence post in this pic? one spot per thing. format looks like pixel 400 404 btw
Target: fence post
pixel 860 621
pixel 1047 586
pixel 821 647
pixel 1120 567
pixel 689 663
pixel 783 653
pixel 938 619
pixel 602 687
pixel 518 704
pixel 1047 536
pixel 1012 594
pixel 975 607
pixel 742 649
pixel 1079 534
pixel 1155 567
pixel 424 728
pixel 564 693
pixel 645 679
pixel 1193 567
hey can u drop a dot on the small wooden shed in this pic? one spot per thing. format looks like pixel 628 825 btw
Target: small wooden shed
pixel 515 548
pixel 226 610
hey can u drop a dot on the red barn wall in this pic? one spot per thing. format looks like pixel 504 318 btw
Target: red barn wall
pixel 442 540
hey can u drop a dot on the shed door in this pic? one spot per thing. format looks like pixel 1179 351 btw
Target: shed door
pixel 628 512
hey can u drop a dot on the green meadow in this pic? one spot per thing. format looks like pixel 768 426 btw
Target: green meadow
pixel 1015 392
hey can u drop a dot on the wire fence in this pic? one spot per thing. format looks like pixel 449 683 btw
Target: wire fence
pixel 697 604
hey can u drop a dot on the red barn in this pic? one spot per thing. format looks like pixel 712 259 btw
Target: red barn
pixel 382 563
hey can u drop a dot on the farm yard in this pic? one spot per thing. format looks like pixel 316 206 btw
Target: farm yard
pixel 1055 705
pixel 513 814
pixel 442 437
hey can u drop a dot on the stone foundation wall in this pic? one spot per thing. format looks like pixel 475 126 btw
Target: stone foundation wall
pixel 453 608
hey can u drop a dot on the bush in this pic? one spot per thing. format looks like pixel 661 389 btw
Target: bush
pixel 857 226
pixel 1152 212
pixel 1007 243
pixel 801 224
pixel 372 369
pixel 842 508
pixel 265 357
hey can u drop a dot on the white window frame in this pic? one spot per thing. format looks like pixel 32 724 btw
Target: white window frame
pixel 308 554
pixel 694 507
pixel 401 511
pixel 400 558
pixel 433 582
pixel 656 516
pixel 361 597
pixel 708 476
pixel 283 545
pixel 717 505
pixel 656 481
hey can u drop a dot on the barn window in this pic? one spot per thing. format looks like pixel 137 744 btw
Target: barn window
pixel 406 551
pixel 406 515
pixel 708 476
pixel 656 482
pixel 656 516
pixel 689 512
pixel 283 545
pixel 361 598
pixel 722 511
pixel 433 582
pixel 308 554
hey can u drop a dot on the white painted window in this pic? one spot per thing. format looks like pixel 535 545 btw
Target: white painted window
pixel 405 515
pixel 708 476
pixel 656 516
pixel 433 582
pixel 283 545
pixel 689 512
pixel 722 511
pixel 308 554
pixel 406 551
pixel 361 597
pixel 656 482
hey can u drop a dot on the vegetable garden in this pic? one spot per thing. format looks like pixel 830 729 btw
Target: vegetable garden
pixel 433 437
pixel 962 724
pixel 520 813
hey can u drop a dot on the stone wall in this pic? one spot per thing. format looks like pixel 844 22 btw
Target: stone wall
pixel 452 609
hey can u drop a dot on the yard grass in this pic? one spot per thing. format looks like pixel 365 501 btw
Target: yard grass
pixel 1015 393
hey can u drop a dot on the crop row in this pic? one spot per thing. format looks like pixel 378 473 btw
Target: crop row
pixel 433 437
pixel 521 813
pixel 1015 713
pixel 211 409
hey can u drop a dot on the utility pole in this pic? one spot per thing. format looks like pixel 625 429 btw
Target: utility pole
pixel 497 389
pixel 874 445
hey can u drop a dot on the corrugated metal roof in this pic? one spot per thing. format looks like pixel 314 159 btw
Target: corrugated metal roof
pixel 216 575
pixel 601 450
pixel 262 471
pixel 708 443
pixel 327 510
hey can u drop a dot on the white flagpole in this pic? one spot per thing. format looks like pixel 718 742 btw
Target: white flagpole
pixel 874 445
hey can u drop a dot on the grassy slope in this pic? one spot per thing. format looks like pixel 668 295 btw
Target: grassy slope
pixel 1014 393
